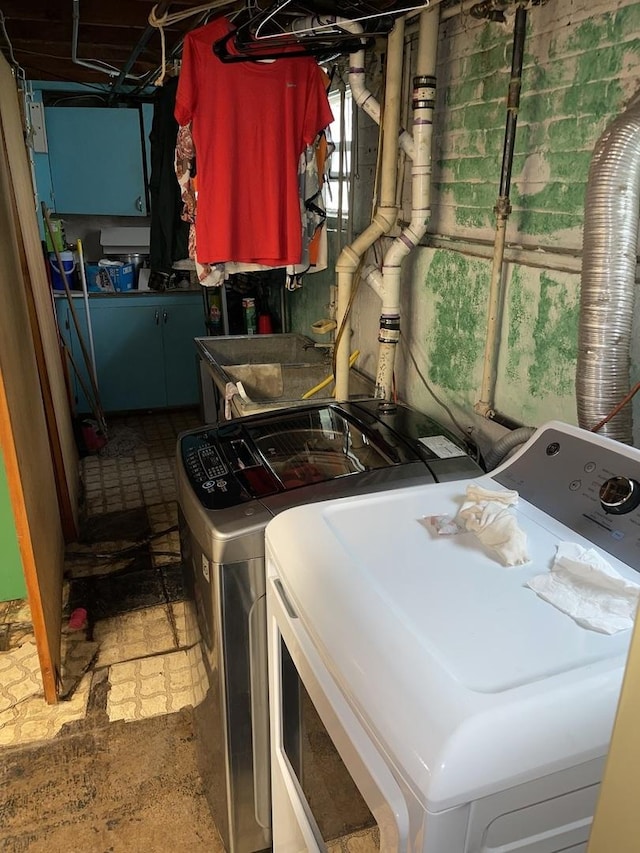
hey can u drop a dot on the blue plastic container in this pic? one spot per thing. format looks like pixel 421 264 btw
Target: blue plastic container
pixel 69 267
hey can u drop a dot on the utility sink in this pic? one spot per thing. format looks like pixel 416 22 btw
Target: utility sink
pixel 265 372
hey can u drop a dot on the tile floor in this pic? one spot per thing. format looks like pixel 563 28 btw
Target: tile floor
pixel 137 633
pixel 125 573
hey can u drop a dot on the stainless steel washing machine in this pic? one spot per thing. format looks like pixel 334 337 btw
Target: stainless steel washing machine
pixel 232 480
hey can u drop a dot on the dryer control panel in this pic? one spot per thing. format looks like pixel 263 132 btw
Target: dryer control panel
pixel 589 483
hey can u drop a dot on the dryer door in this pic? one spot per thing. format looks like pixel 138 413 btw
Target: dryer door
pixel 329 781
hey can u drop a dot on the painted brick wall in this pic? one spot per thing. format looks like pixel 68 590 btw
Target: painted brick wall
pixel 581 67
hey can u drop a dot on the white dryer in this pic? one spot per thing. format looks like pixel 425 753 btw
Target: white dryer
pixel 422 696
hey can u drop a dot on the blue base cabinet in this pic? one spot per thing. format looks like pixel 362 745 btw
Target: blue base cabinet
pixel 129 355
pixel 145 354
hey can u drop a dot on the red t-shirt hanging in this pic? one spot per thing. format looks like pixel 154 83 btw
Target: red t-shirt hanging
pixel 250 122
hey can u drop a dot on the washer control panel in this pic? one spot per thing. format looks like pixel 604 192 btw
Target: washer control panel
pixel 223 470
pixel 590 484
pixel 203 462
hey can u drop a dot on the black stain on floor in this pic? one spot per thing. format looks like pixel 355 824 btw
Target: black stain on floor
pixel 134 588
pixel 137 584
pixel 129 524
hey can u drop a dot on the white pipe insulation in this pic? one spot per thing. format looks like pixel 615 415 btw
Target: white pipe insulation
pixel 385 216
pixel 387 283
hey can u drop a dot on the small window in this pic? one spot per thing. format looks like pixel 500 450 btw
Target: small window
pixel 342 142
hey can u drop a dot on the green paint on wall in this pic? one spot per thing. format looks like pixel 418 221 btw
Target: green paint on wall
pixel 483 116
pixel 492 51
pixel 573 133
pixel 460 286
pixel 469 168
pixel 467 90
pixel 519 313
pixel 467 144
pixel 555 337
pixel 554 197
pixel 496 86
pixel 455 119
pixel 598 64
pixel 545 222
pixel 569 95
pixel 590 98
pixel 588 33
pixel 566 164
pixel 473 194
pixel 12 583
pixel 626 21
pixel 473 217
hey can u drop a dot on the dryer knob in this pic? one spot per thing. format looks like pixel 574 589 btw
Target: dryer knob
pixel 619 495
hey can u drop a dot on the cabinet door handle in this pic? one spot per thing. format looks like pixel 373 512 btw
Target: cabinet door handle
pixel 139 203
pixel 157 317
pixel 165 317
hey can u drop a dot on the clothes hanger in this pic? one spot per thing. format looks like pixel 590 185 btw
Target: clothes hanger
pixel 243 51
pixel 328 41
pixel 323 38
pixel 347 11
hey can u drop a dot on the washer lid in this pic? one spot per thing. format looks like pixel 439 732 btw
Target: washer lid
pixel 469 682
pixel 282 451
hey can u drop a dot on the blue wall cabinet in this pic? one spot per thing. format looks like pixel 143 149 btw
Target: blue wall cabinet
pixel 145 354
pixel 96 160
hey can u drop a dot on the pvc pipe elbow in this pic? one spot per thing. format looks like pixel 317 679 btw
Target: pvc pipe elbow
pixel 407 144
pixel 385 218
pixel 348 261
pixel 373 277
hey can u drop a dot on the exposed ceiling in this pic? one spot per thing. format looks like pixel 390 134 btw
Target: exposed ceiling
pixel 39 33
pixel 41 36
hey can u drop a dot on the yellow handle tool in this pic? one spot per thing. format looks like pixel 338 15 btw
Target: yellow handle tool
pixel 352 360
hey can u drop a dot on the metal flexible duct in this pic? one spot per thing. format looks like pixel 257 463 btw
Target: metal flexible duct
pixel 610 245
pixel 504 445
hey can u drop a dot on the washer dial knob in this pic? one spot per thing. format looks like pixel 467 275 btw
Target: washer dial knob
pixel 619 495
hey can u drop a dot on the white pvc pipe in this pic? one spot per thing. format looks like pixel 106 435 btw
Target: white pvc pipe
pixel 366 101
pixel 423 103
pixel 385 216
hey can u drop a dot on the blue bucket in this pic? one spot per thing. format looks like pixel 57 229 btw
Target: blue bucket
pixel 68 265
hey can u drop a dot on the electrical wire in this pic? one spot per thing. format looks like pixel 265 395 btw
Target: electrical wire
pixel 617 408
pixel 463 433
pixel 12 58
pixel 130 549
pixel 19 70
pixel 59 76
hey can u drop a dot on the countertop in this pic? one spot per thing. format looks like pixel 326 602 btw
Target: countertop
pixel 78 294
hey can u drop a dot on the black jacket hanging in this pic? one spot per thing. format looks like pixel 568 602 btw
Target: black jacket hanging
pixel 169 240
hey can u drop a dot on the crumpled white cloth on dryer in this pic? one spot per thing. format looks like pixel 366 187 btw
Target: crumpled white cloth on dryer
pixel 584 586
pixel 486 514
